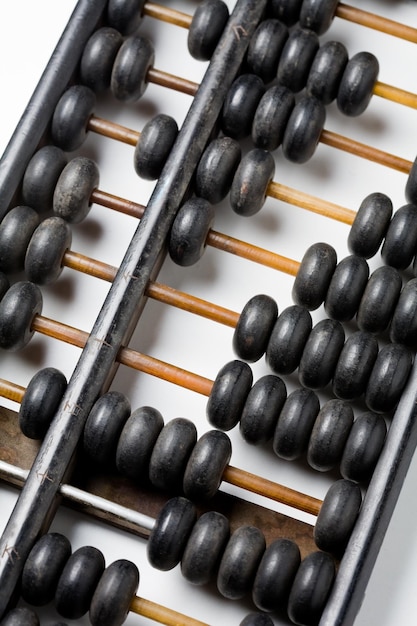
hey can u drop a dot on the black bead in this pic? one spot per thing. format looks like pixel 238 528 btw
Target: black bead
pixel 314 275
pixel 303 129
pixel 257 619
pixel 265 49
pixel 275 575
pixel 18 307
pixel 41 400
pixel 321 353
pixel 98 57
pixel 250 183
pixel 114 594
pixel 240 105
pixel 379 299
pixel 411 185
pixel 357 84
pixel 328 437
pixel 296 58
pixel 125 15
pixel 206 464
pixel 271 117
pixel 254 327
pixel 346 288
pixel 228 395
pixel 46 250
pixel 216 169
pixel 288 338
pixel 16 229
pixel 287 12
pixel 154 145
pixel 20 616
pixel 206 28
pixel 170 533
pixel 363 447
pixel 41 176
pixel 73 191
pixel 388 377
pixel 4 284
pixel 403 327
pixel 170 454
pixel 326 71
pixel 135 57
pixel 104 425
pixel 262 408
pixel 70 118
pixel 354 365
pixel 295 424
pixel 311 588
pixel 137 441
pixel 400 245
pixel 189 231
pixel 370 225
pixel 318 15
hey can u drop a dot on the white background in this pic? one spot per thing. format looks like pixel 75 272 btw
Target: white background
pixel 28 33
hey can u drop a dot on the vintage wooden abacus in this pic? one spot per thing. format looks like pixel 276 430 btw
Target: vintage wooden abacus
pixel 134 321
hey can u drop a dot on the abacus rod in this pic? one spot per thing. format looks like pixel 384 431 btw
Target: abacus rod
pixel 165 14
pixel 376 22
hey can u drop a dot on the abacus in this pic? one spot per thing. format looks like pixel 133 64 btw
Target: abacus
pixel 195 358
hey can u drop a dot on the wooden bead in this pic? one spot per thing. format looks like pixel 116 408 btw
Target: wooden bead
pixel 400 245
pixel 318 15
pixel 357 84
pixel 114 594
pixel 311 588
pixel 103 427
pixel 170 454
pixel 363 447
pixel 286 12
pixel 240 561
pixel 388 377
pixel 403 327
pixel 275 575
pixel 170 533
pixel 73 191
pixel 262 408
pixel 70 118
pixel 257 619
pixel 346 288
pixel 154 145
pixel 18 307
pixel 321 353
pixel 41 176
pixel 135 57
pixel 271 117
pixel 206 28
pixel 265 49
pixel 136 442
pixel 189 231
pixel 314 275
pixel 240 105
pixel 228 395
pixel 98 57
pixel 20 616
pixel 296 58
pixel 354 365
pixel 328 437
pixel 370 225
pixel 250 183
pixel 206 464
pixel 125 15
pixel 46 249
pixel 254 327
pixel 16 229
pixel 326 71
pixel 288 338
pixel 216 169
pixel 303 129
pixel 42 397
pixel 295 424
pixel 379 299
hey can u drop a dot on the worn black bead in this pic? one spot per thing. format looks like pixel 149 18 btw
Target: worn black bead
pixel 370 225
pixel 346 288
pixel 321 353
pixel 98 57
pixel 16 229
pixel 42 397
pixel 271 117
pixel 78 582
pixel 287 12
pixel 265 49
pixel 43 568
pixel 104 425
pixel 262 408
pixel 400 245
pixel 20 616
pixel 250 183
pixel 205 547
pixel 189 231
pixel 314 275
pixel 379 299
pixel 125 15
pixel 206 28
pixel 73 191
pixel 257 619
pixel 329 435
pixel 46 249
pixel 114 594
pixel 253 329
pixel 41 176
pixel 288 338
pixel 296 59
pixel 70 118
pixel 388 377
pixel 206 464
pixel 135 57
pixel 275 575
pixel 403 327
pixel 357 84
pixel 303 129
pixel 295 424
pixel 240 561
pixel 137 441
pixel 311 588
pixel 170 454
pixel 363 447
pixel 240 105
pixel 216 169
pixel 318 15
pixel 411 185
pixel 354 365
pixel 228 395
pixel 326 71
pixel 18 307
pixel 154 145
pixel 170 533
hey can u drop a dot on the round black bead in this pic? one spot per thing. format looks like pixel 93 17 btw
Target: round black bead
pixel 250 183
pixel 114 594
pixel 326 71
pixel 265 49
pixel 206 28
pixel 400 245
pixel 354 365
pixel 206 464
pixel 154 145
pixel 288 338
pixel 311 588
pixel 370 225
pixel 403 327
pixel 346 288
pixel 18 307
pixel 303 129
pixel 321 353
pixel 314 275
pixel 411 185
pixel 41 176
pixel 98 57
pixel 262 408
pixel 257 619
pixel 125 15
pixel 16 229
pixel 70 118
pixel 379 299
pixel 240 105
pixel 20 616
pixel 135 57
pixel 73 191
pixel 329 435
pixel 295 424
pixel 41 400
pixel 357 84
pixel 287 12
pixel 136 442
pixel 254 327
pixel 46 250
pixel 363 447
pixel 318 15
pixel 104 425
pixel 228 395
pixel 170 454
pixel 4 284
pixel 271 117
pixel 388 377
pixel 216 169
pixel 189 231
pixel 296 58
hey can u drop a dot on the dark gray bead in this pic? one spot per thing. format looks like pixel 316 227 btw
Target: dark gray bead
pixel 16 229
pixel 370 225
pixel 216 169
pixel 411 185
pixel 18 307
pixel 206 28
pixel 257 619
pixel 206 464
pixel 170 454
pixel 271 117
pixel 318 15
pixel 354 365
pixel 98 57
pixel 337 516
pixel 73 191
pixel 321 353
pixel 254 327
pixel 326 71
pixel 43 568
pixel 400 245
pixel 189 231
pixel 287 12
pixel 311 588
pixel 329 435
pixel 228 395
pixel 275 575
pixel 403 327
pixel 346 288
pixel 288 338
pixel 135 57
pixel 262 408
pixel 388 377
pixel 250 183
pixel 70 118
pixel 125 15
pixel 46 250
pixel 363 447
pixel 240 105
pixel 4 284
pixel 379 299
pixel 170 533
pixel 303 129
pixel 205 547
pixel 137 441
pixel 314 275
pixel 41 177
pixel 104 425
pixel 154 145
pixel 20 616
pixel 113 596
pixel 240 561
pixel 78 582
pixel 42 397
pixel 357 84
pixel 265 49
pixel 296 58
pixel 295 424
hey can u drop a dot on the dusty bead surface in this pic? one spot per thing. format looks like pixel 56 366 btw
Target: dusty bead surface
pixel 388 377
pixel 240 105
pixel 411 185
pixel 137 441
pixel 326 71
pixel 295 424
pixel 171 452
pixel 70 118
pixel 114 593
pixel 296 58
pixel 346 288
pixel 98 57
pixel 125 15
pixel 314 275
pixel 318 15
pixel 321 353
pixel 400 245
pixel 41 400
pixel 16 230
pixel 363 447
pixel 257 619
pixel 288 338
pixel 303 129
pixel 206 28
pixel 135 57
pixel 354 365
pixel 265 49
pixel 189 231
pixel 104 425
pixel 41 176
pixel 252 332
pixel 20 616
pixel 216 169
pixel 206 464
pixel 250 183
pixel 73 190
pixel 379 299
pixel 403 327
pixel 271 117
pixel 357 84
pixel 328 437
pixel 262 408
pixel 228 395
pixel 155 142
pixel 370 225
pixel 46 250
pixel 287 12
pixel 18 307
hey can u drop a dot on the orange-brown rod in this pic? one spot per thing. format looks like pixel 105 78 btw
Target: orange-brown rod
pixel 162 614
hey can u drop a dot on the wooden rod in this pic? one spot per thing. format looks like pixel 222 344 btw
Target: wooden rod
pixel 164 14
pixel 112 130
pixel 395 94
pixel 376 22
pixel 127 207
pixel 170 81
pixel 11 391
